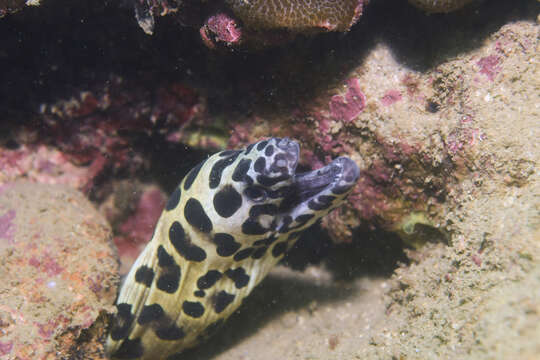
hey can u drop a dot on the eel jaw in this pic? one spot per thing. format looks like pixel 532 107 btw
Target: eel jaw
pixel 334 180
pixel 338 177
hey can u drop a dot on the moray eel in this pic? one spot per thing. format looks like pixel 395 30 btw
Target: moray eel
pixel 231 219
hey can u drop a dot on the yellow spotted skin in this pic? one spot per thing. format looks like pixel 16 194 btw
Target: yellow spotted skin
pixel 231 219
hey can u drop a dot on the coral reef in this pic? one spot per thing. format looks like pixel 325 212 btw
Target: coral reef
pixel 57 253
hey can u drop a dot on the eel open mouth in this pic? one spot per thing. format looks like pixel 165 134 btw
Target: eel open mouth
pixel 334 179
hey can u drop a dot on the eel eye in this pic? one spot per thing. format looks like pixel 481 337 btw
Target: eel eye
pixel 255 193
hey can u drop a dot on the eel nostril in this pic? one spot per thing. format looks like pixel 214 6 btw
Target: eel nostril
pixel 286 144
pixel 290 147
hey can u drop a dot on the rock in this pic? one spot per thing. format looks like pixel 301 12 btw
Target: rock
pixel 417 135
pixel 59 271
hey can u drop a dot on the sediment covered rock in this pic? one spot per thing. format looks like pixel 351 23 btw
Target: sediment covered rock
pixel 59 270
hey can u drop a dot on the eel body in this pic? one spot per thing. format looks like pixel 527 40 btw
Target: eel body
pixel 229 221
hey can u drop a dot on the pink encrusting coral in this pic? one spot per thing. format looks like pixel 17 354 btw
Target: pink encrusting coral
pixel 390 97
pixel 221 28
pixel 346 107
pixel 489 66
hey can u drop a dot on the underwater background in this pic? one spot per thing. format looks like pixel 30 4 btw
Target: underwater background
pixel 106 105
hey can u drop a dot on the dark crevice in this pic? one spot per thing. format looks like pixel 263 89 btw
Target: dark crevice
pixel 62 46
pixel 372 252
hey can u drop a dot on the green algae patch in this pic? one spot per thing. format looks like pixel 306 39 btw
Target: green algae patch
pixel 417 229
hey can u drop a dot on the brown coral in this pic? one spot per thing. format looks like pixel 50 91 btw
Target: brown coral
pixel 298 16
